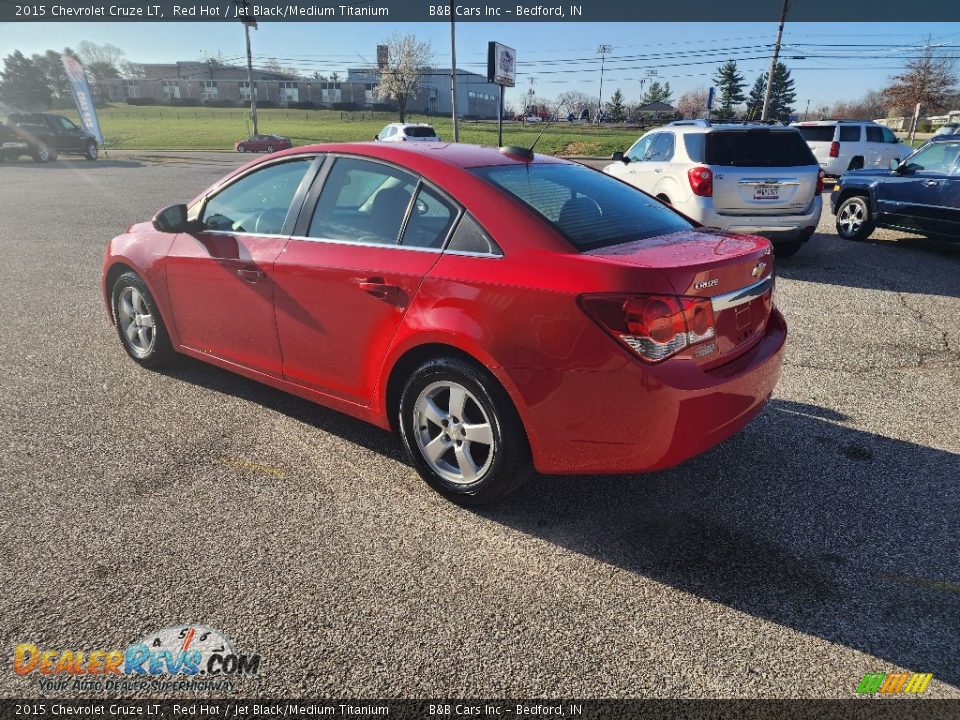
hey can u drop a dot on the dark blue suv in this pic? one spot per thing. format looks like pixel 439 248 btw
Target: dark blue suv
pixel 920 195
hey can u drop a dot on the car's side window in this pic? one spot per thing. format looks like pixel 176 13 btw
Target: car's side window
pixel 849 133
pixel 662 148
pixel 469 237
pixel 874 134
pixel 430 220
pixel 67 125
pixel 640 148
pixel 888 136
pixel 362 201
pixel 935 158
pixel 256 203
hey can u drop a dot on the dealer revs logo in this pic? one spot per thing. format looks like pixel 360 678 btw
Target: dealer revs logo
pixel 182 650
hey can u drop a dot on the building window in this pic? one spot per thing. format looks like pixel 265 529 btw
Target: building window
pixel 209 90
pixel 133 89
pixel 245 90
pixel 171 89
pixel 289 92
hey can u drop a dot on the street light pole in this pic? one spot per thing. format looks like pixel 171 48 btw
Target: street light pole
pixel 773 61
pixel 602 51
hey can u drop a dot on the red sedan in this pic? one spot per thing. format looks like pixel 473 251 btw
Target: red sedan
pixel 501 311
pixel 263 143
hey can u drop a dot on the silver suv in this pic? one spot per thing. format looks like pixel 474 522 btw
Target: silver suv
pixel 841 145
pixel 742 178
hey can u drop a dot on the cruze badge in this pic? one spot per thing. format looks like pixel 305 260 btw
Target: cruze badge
pixel 758 269
pixel 704 284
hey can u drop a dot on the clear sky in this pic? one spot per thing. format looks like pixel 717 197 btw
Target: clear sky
pixel 829 61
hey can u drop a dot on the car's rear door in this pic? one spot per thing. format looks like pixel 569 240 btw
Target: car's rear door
pixel 912 198
pixel 368 234
pixel 221 279
pixel 761 171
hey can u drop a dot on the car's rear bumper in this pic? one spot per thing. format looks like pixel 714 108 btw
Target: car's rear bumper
pixel 775 227
pixel 648 417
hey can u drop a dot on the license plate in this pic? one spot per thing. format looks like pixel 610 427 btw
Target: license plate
pixel 766 192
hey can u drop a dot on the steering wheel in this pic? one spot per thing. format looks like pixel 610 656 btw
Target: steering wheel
pixel 269 221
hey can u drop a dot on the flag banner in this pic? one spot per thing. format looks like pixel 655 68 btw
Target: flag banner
pixel 82 96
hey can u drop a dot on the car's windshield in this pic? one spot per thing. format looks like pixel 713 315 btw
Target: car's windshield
pixel 816 133
pixel 591 209
pixel 420 132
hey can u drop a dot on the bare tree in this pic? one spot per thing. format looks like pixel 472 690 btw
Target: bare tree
pixel 929 80
pixel 102 63
pixel 871 106
pixel 693 103
pixel 574 101
pixel 399 79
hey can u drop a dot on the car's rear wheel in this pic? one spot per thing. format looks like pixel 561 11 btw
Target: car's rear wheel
pixel 138 322
pixel 43 153
pixel 854 220
pixel 241 148
pixel 856 164
pixel 462 432
pixel 92 152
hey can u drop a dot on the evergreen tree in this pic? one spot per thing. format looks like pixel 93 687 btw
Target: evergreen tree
pixel 755 99
pixel 782 95
pixel 22 84
pixel 657 93
pixel 616 108
pixel 730 84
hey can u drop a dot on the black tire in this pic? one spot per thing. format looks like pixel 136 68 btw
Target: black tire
pixel 664 198
pixel 43 154
pixel 92 152
pixel 160 351
pixel 854 219
pixel 241 148
pixel 856 164
pixel 787 249
pixel 506 463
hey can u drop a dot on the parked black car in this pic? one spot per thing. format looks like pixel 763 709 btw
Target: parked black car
pixel 49 135
pixel 919 195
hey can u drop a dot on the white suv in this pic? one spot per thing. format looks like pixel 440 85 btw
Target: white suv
pixel 742 178
pixel 402 132
pixel 841 145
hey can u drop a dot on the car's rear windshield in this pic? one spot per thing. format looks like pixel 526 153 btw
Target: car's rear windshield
pixel 591 209
pixel 758 148
pixel 420 132
pixel 817 133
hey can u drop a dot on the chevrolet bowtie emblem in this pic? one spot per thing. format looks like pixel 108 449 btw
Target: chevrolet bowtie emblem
pixel 758 269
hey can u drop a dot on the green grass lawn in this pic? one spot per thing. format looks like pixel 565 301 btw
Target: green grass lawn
pixel 171 128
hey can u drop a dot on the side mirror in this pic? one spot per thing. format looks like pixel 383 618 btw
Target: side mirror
pixel 376 138
pixel 617 156
pixel 895 165
pixel 172 219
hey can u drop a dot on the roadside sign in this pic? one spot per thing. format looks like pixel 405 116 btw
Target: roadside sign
pixel 710 95
pixel 501 64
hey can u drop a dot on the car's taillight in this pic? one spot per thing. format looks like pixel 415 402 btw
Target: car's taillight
pixel 701 181
pixel 655 327
pixel 820 182
pixel 834 149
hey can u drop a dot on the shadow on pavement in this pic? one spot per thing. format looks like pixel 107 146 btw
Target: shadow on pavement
pixel 62 164
pixel 799 520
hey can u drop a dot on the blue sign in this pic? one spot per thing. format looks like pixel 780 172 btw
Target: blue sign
pixel 710 93
pixel 82 96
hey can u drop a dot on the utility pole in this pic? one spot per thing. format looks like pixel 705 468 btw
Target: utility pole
pixel 453 73
pixel 247 23
pixel 602 51
pixel 773 61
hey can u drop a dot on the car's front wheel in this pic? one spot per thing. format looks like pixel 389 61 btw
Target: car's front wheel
pixel 269 148
pixel 92 152
pixel 241 148
pixel 854 220
pixel 138 322
pixel 462 432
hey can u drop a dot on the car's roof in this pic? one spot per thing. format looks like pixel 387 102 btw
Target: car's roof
pixel 813 123
pixel 699 126
pixel 454 154
pixel 946 137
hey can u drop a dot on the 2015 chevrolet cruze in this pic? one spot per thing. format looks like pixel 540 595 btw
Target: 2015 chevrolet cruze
pixel 502 311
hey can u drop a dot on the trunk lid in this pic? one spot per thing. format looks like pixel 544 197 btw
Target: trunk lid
pixel 761 171
pixel 734 271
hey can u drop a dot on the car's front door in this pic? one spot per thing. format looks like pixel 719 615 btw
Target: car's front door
pixel 220 279
pixel 70 138
pixel 910 198
pixel 367 236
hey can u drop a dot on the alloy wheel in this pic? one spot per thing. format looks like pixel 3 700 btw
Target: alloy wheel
pixel 453 432
pixel 851 218
pixel 136 321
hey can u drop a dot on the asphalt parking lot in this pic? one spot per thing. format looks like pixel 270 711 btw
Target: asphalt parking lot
pixel 819 544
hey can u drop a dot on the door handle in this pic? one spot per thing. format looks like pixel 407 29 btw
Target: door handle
pixel 251 275
pixel 931 183
pixel 658 170
pixel 380 289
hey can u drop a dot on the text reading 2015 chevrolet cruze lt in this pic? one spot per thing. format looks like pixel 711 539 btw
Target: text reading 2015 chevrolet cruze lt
pixel 503 311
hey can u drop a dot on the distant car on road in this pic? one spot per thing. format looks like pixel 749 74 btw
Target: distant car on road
pixel 263 143
pixel 841 145
pixel 500 310
pixel 951 128
pixel 741 178
pixel 50 135
pixel 920 195
pixel 407 132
